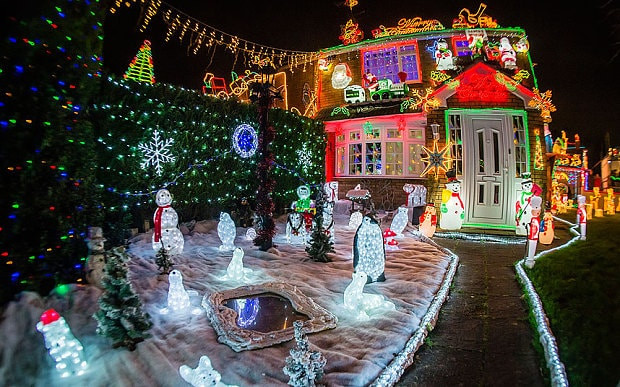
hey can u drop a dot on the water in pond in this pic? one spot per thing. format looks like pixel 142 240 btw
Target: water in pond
pixel 265 312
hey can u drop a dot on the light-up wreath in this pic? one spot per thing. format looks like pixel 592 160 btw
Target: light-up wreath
pixel 245 141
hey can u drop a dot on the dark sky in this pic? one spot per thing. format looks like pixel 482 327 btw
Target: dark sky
pixel 573 47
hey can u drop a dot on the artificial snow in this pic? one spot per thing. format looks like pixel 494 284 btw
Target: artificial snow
pixel 357 351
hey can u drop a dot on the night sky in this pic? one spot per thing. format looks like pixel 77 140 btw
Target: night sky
pixel 573 47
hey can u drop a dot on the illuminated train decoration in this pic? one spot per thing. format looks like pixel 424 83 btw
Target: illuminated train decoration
pixel 386 89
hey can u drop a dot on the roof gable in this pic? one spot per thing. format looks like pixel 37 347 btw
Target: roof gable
pixel 481 82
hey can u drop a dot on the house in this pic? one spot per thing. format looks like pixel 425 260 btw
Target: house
pixel 391 104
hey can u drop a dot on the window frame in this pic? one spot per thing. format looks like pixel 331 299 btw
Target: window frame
pixel 397 47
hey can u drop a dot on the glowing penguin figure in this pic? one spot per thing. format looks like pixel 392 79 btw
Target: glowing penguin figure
pixel 227 232
pixel 368 250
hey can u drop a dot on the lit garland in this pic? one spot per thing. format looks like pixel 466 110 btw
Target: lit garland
pixel 539 160
pixel 201 36
pixel 542 102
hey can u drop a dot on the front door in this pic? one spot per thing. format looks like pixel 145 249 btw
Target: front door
pixel 485 150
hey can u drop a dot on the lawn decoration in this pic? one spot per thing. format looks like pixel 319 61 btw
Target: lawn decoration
pixel 533 230
pixel 331 190
pixel 63 347
pixel 227 232
pixel 163 261
pixel 166 234
pixel 235 270
pixel 522 205
pixel 400 220
pixel 610 205
pixel 203 375
pixel 296 228
pixel 364 305
pixel 95 262
pixel 452 208
pixel 321 239
pixel 355 220
pixel 594 199
pixel 250 234
pixel 178 298
pixel 368 250
pixel 389 241
pixel 428 221
pixel 328 220
pixel 547 232
pixel 303 366
pixel 582 216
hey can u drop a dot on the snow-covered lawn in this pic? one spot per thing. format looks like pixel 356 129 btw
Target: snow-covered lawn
pixel 357 352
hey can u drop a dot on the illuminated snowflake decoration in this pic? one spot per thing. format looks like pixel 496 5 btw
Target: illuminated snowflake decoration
pixel 304 158
pixel 436 159
pixel 420 99
pixel 543 103
pixel 156 153
pixel 245 141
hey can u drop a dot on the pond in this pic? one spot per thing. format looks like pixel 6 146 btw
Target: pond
pixel 265 312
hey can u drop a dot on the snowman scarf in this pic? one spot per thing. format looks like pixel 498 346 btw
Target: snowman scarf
pixel 157 221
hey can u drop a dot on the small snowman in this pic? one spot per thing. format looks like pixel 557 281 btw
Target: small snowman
pixel 547 232
pixel 166 234
pixel 508 56
pixel 522 205
pixel 368 250
pixel 452 208
pixel 428 221
pixel 95 264
pixel 63 347
pixel 443 56
pixel 227 232
pixel 399 222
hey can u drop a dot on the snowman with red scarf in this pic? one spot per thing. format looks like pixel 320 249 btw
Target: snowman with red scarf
pixel 166 234
pixel 452 208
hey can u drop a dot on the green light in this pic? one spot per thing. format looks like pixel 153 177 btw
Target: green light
pixel 63 290
pixel 15 205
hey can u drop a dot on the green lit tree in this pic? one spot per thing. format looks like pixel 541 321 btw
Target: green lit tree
pixel 320 242
pixel 141 67
pixel 120 316
pixel 50 68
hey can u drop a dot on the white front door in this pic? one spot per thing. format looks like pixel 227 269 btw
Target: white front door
pixel 486 173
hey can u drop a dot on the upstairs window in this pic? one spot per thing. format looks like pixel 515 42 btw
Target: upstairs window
pixel 387 62
pixel 461 46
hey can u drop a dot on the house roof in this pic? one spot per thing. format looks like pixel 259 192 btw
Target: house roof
pixel 481 79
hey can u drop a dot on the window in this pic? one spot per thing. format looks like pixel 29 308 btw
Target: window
pixel 379 148
pixel 387 62
pixel 520 141
pixel 461 46
pixel 456 142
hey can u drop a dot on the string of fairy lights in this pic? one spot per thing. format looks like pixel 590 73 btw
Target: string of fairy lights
pixel 201 37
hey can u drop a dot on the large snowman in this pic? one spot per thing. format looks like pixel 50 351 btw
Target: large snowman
pixel 523 210
pixel 166 234
pixel 443 56
pixel 452 209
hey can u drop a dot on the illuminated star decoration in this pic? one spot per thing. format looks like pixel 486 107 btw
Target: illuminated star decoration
pixel 543 103
pixel 436 159
pixel 156 152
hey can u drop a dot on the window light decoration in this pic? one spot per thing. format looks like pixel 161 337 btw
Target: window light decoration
pixel 63 347
pixel 368 250
pixel 341 76
pixel 141 67
pixel 400 220
pixel 156 153
pixel 452 208
pixel 166 234
pixel 508 56
pixel 364 305
pixel 245 140
pixel 227 232
pixel 203 375
pixel 443 56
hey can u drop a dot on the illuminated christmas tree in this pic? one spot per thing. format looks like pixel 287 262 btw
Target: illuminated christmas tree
pixel 141 67
pixel 539 159
pixel 304 367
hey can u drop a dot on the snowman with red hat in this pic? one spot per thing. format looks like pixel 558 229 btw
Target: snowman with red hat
pixel 63 347
pixel 452 208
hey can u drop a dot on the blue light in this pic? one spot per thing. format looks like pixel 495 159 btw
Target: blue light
pixel 15 276
pixel 19 69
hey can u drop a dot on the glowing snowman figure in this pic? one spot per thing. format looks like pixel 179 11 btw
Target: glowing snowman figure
pixel 166 234
pixel 523 211
pixel 443 56
pixel 368 250
pixel 363 304
pixel 63 347
pixel 355 220
pixel 202 376
pixel 452 209
pixel 227 232
pixel 428 221
pixel 400 221
pixel 331 190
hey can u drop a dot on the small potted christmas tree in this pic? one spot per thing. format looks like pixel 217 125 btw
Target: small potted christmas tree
pixel 163 260
pixel 303 366
pixel 120 315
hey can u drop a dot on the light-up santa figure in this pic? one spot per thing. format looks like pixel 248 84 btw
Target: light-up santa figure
pixel 443 56
pixel 63 347
pixel 582 216
pixel 428 221
pixel 166 234
pixel 508 56
pixel 547 232
pixel 227 232
pixel 533 230
pixel 368 250
pixel 452 208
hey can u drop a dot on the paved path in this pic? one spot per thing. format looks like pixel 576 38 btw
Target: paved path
pixel 483 336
